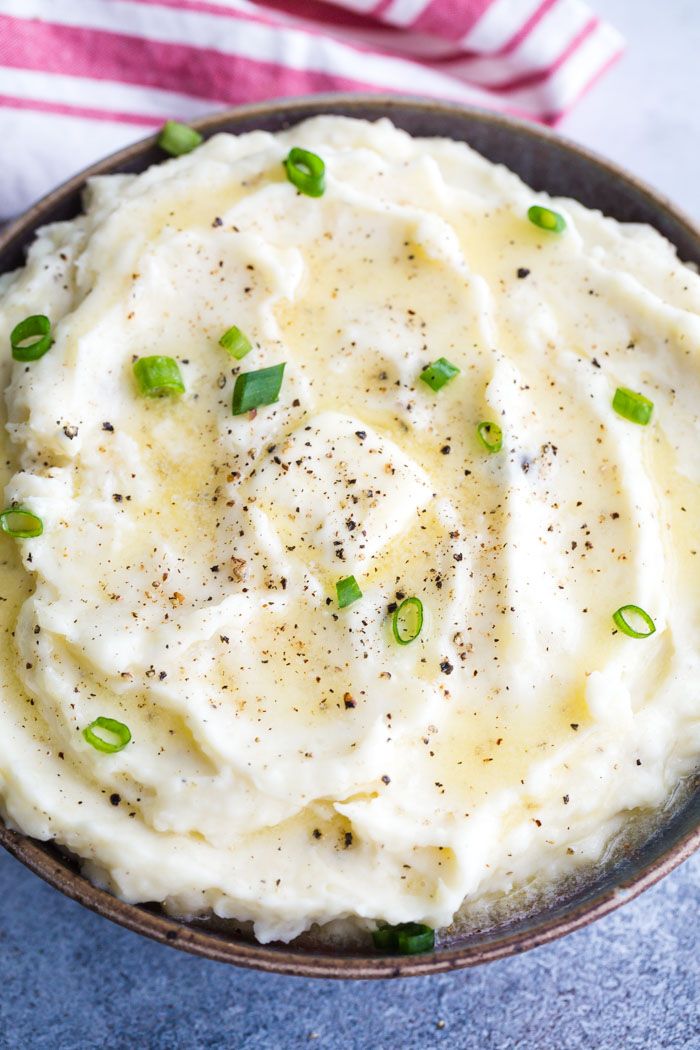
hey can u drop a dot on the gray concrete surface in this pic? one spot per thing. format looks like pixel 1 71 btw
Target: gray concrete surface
pixel 69 979
pixel 645 113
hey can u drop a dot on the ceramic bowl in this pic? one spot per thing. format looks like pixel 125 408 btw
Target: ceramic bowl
pixel 546 162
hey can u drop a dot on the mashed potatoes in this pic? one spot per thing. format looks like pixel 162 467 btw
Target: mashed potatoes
pixel 289 762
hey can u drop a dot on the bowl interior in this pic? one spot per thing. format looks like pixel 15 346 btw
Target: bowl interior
pixel 548 163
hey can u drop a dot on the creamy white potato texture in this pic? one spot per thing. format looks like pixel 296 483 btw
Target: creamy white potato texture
pixel 290 763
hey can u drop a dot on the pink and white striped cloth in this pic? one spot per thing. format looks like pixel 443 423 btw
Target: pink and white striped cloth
pixel 80 78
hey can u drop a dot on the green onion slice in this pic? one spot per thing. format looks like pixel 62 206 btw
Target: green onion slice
pixel 306 171
pixel 237 344
pixel 253 389
pixel 158 376
pixel 632 406
pixel 407 621
pixel 347 591
pixel 621 618
pixel 31 338
pixel 490 436
pixel 177 139
pixel 546 219
pixel 385 938
pixel 408 938
pixel 117 735
pixel 439 373
pixel 21 523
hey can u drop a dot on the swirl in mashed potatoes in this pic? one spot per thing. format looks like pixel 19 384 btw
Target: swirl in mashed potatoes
pixel 289 762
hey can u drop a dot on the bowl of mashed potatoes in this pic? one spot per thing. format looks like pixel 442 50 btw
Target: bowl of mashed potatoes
pixel 350 555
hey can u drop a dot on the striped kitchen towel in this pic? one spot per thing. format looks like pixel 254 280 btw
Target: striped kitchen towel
pixel 80 78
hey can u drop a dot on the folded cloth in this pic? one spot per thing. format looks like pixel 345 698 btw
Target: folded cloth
pixel 81 78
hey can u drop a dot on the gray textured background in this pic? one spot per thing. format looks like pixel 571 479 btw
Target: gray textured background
pixel 70 980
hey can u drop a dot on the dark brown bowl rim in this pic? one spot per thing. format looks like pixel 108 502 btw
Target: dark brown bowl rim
pixel 49 864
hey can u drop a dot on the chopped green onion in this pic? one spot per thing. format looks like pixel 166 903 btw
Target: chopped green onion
pixel 632 406
pixel 408 938
pixel 407 621
pixel 21 523
pixel 414 937
pixel 177 139
pixel 31 338
pixel 347 591
pixel 385 938
pixel 237 344
pixel 306 171
pixel 253 389
pixel 490 436
pixel 546 219
pixel 621 620
pixel 439 373
pixel 158 376
pixel 112 728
